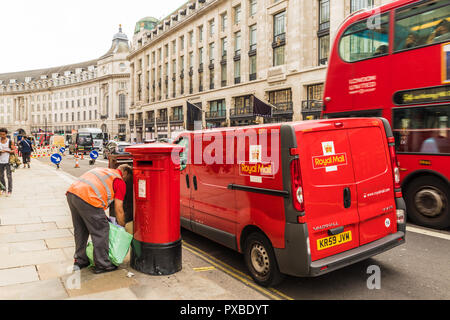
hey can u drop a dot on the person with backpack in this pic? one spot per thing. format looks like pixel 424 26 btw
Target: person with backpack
pixel 7 148
pixel 26 148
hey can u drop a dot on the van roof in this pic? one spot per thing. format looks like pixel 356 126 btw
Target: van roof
pixel 299 125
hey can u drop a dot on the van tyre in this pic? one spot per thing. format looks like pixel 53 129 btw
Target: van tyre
pixel 427 202
pixel 260 260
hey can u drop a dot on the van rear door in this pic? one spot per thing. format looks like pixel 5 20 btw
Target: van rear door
pixel 374 181
pixel 329 188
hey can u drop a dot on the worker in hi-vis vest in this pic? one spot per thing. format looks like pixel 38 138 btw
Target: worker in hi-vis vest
pixel 88 198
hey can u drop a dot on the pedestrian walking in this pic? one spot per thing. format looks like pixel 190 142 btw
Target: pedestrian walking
pixel 26 147
pixel 88 198
pixel 7 149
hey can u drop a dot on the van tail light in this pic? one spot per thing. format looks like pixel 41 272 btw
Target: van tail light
pixel 297 188
pixel 394 163
pixel 400 215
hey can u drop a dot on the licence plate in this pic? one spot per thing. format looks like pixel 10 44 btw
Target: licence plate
pixel 335 240
pixel 81 148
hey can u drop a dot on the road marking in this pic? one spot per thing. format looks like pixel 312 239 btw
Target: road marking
pixel 428 233
pixel 234 272
pixel 204 269
pixel 102 161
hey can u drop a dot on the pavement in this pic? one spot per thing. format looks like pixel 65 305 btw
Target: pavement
pixel 37 247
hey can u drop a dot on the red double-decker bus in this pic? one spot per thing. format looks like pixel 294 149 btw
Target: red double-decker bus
pixel 393 61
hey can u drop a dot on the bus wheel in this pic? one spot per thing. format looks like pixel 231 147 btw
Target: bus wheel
pixel 260 260
pixel 427 201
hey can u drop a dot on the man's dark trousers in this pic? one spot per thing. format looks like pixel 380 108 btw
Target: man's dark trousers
pixel 88 220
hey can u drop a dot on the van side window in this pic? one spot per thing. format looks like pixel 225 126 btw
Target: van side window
pixel 366 39
pixel 183 142
pixel 422 25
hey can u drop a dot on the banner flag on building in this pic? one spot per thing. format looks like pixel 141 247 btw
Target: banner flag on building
pixel 194 114
pixel 261 108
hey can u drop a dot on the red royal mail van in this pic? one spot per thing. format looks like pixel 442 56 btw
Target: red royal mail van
pixel 300 198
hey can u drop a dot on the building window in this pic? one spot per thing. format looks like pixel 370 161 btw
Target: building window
pixel 315 92
pixel 252 8
pixel 237 71
pixel 356 5
pixel 122 104
pixel 282 99
pixel 223 74
pixel 237 44
pixel 211 53
pixel 252 67
pixel 182 43
pixel 211 79
pixel 191 38
pixel 237 14
pixel 324 49
pixel 224 48
pixel 279 38
pixel 252 39
pixel 212 28
pixel 200 33
pixel 223 20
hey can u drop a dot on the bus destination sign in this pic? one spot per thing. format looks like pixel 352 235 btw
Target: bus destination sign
pixel 426 95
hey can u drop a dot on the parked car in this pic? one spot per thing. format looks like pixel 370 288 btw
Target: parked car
pixel 115 147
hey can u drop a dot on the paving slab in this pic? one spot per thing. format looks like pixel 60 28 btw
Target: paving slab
pixel 26 246
pixel 17 275
pixel 37 290
pixel 32 258
pixel 95 283
pixel 54 270
pixel 60 242
pixel 37 227
pixel 7 229
pixel 12 220
pixel 37 235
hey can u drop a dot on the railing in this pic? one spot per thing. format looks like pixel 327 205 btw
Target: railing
pixel 241 112
pixel 279 40
pixel 177 118
pixel 131 122
pixel 121 116
pixel 252 76
pixel 139 122
pixel 103 116
pixel 161 119
pixel 312 105
pixel 149 122
pixel 283 107
pixel 217 114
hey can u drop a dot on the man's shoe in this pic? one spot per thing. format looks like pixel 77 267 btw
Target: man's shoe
pixel 103 270
pixel 78 266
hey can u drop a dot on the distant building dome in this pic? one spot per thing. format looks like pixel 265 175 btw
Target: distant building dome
pixel 119 44
pixel 149 23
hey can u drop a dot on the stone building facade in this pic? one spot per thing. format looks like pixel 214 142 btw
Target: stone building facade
pixel 219 54
pixel 61 99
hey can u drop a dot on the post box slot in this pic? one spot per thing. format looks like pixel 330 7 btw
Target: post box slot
pixel 145 163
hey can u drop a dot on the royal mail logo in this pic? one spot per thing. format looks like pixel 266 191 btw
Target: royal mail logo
pixel 334 160
pixel 260 169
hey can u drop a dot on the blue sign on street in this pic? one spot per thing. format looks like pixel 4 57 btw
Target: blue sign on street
pixel 93 154
pixel 56 158
pixel 62 150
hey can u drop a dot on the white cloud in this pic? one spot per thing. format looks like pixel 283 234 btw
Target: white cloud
pixel 50 33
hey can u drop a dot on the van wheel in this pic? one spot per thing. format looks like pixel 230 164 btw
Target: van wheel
pixel 427 202
pixel 260 260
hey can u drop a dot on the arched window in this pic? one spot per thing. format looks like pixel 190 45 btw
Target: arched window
pixel 122 100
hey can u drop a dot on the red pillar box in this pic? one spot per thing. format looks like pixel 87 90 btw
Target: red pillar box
pixel 156 245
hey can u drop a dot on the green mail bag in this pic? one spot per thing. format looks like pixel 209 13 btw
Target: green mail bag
pixel 119 244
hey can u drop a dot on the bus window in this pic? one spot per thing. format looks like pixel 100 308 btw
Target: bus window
pixel 423 24
pixel 422 129
pixel 354 114
pixel 365 39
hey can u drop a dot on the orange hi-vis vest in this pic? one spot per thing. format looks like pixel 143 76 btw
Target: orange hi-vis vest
pixel 96 187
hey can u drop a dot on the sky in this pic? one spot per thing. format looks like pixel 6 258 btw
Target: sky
pixel 38 34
